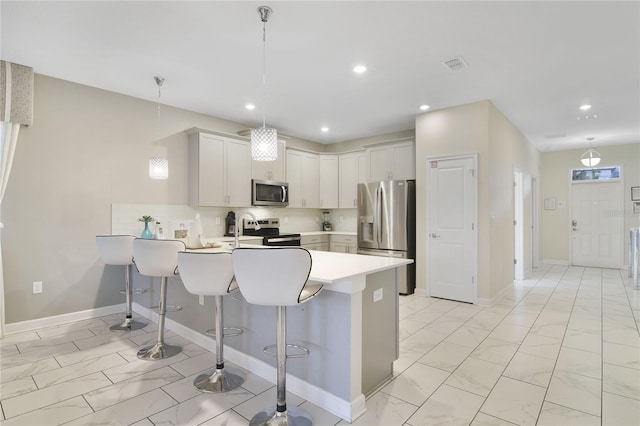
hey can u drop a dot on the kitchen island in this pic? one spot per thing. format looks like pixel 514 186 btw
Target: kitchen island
pixel 350 329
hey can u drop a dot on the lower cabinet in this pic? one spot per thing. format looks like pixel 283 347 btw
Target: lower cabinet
pixel 315 242
pixel 343 244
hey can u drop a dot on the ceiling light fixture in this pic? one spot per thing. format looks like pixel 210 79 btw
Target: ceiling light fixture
pixel 424 107
pixel 585 107
pixel 250 107
pixel 324 129
pixel 264 140
pixel 591 157
pixel 359 69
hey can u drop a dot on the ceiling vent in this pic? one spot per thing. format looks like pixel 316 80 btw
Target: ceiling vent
pixel 455 64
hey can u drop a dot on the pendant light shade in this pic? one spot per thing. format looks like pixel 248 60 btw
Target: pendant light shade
pixel 264 144
pixel 264 140
pixel 591 158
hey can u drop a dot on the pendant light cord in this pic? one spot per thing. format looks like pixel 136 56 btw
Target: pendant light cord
pixel 264 73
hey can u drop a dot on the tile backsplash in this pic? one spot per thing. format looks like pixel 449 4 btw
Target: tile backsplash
pixel 124 217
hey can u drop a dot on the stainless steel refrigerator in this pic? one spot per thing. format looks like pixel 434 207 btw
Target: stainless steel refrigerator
pixel 387 225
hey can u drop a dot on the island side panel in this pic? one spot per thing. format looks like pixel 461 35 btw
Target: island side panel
pixel 380 340
pixel 321 325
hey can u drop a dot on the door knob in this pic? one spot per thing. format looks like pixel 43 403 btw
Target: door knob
pixel 434 235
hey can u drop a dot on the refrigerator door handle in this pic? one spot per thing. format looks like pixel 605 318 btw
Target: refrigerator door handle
pixel 379 205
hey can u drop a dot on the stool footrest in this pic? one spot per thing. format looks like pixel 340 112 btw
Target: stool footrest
pixel 303 352
pixel 135 291
pixel 227 332
pixel 170 308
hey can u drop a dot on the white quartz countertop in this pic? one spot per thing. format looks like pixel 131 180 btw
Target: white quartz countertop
pixel 328 267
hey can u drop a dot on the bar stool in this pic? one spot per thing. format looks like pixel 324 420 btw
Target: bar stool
pixel 118 250
pixel 158 258
pixel 278 277
pixel 211 274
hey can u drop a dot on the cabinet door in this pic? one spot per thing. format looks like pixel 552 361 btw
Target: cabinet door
pixel 294 178
pixel 238 171
pixel 363 168
pixel 329 181
pixel 211 179
pixel 378 164
pixel 311 180
pixel 339 247
pixel 348 181
pixel 270 170
pixel 404 163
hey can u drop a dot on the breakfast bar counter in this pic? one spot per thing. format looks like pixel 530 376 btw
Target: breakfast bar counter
pixel 350 329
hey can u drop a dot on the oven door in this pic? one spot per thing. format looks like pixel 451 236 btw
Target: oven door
pixel 268 193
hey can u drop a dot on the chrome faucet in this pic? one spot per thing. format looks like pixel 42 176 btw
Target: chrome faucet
pixel 236 241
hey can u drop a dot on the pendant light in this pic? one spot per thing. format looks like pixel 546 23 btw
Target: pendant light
pixel 158 167
pixel 264 140
pixel 591 157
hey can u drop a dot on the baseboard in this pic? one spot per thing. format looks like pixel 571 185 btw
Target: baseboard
pixel 421 292
pixel 22 326
pixel 555 262
pixel 347 410
pixel 489 302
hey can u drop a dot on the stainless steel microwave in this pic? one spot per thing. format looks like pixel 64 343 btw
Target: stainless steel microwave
pixel 268 193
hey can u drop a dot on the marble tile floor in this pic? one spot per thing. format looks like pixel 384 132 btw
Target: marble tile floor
pixel 561 348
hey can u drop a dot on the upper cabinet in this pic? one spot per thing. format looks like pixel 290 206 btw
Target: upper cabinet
pixel 270 170
pixel 392 161
pixel 329 181
pixel 303 176
pixel 219 171
pixel 352 171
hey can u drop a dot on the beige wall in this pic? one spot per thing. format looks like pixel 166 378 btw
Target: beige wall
pixel 477 128
pixel 87 148
pixel 556 182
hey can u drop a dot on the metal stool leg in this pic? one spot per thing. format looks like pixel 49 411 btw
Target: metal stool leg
pixel 222 379
pixel 160 350
pixel 282 415
pixel 129 324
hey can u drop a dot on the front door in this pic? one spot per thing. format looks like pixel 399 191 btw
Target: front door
pixel 452 215
pixel 596 210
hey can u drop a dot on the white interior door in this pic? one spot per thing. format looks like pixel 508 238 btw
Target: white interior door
pixel 452 215
pixel 596 210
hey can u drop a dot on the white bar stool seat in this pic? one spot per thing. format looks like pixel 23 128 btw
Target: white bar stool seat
pixel 158 258
pixel 118 250
pixel 211 274
pixel 278 277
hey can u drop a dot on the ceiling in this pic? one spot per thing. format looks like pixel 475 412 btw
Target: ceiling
pixel 536 61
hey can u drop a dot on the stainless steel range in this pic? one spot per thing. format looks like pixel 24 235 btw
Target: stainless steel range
pixel 269 230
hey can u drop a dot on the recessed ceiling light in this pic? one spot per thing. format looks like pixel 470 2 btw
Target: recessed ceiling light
pixel 250 107
pixel 585 107
pixel 324 129
pixel 424 107
pixel 359 69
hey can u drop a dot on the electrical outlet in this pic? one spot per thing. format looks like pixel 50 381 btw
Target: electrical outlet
pixel 377 295
pixel 286 219
pixel 37 287
pixel 217 220
pixel 201 299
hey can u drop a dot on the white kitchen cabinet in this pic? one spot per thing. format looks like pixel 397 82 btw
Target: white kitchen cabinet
pixel 270 170
pixel 343 244
pixel 392 161
pixel 329 181
pixel 219 171
pixel 352 171
pixel 318 242
pixel 303 176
